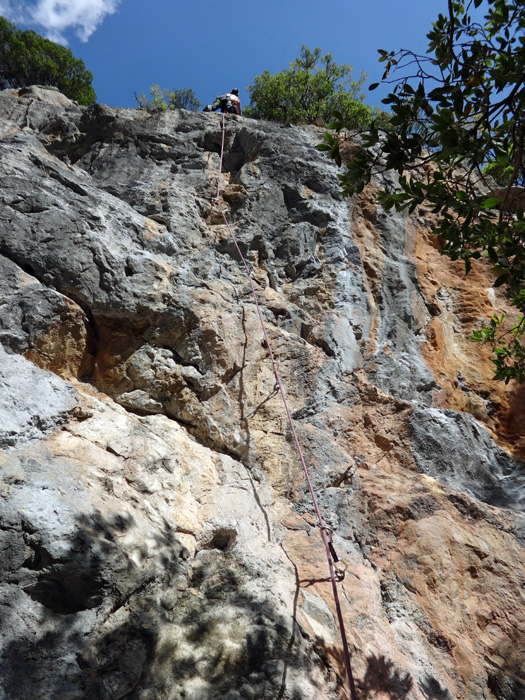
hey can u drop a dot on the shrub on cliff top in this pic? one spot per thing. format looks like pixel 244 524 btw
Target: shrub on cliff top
pixel 309 91
pixel 161 99
pixel 26 58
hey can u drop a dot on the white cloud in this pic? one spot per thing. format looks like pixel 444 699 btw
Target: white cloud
pixel 57 16
pixel 13 10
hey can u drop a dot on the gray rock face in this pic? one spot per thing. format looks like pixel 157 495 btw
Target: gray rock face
pixel 33 403
pixel 157 538
pixel 455 449
pixel 402 373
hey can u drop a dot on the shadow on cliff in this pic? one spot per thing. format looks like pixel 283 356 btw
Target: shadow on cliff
pixel 235 642
pixel 381 676
pixel 69 586
pixel 514 421
pixel 114 628
pixel 432 690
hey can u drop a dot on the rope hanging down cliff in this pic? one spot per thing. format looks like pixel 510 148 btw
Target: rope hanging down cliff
pixel 324 529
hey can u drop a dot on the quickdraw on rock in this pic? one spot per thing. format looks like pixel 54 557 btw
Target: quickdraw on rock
pixel 213 200
pixel 340 566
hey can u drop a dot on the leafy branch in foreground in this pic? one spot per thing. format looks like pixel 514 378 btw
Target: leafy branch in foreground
pixel 457 117
pixel 508 347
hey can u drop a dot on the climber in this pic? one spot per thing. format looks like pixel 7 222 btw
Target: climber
pixel 229 102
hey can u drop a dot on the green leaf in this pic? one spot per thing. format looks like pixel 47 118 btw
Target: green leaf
pixel 500 280
pixel 492 254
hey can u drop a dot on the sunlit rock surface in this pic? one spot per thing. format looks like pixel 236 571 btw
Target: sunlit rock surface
pixel 157 537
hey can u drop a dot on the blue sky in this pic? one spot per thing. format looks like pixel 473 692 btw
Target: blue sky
pixel 215 45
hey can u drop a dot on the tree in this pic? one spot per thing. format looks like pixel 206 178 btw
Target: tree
pixel 26 58
pixel 169 99
pixel 457 113
pixel 309 91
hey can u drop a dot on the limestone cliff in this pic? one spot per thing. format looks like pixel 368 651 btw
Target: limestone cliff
pixel 157 537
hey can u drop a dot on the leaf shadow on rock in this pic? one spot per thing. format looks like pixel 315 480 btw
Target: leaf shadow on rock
pixel 382 676
pixel 109 628
pixel 432 689
pixel 69 587
pixel 248 646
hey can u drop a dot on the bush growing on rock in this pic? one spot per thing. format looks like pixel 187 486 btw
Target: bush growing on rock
pixel 163 98
pixel 309 91
pixel 26 58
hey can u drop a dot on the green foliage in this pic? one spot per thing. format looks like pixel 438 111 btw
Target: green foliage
pixel 26 58
pixel 456 113
pixel 502 174
pixel 161 99
pixel 309 91
pixel 508 347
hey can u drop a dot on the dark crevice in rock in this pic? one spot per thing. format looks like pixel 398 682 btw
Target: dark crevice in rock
pixel 39 559
pixel 223 539
pixel 163 220
pixel 291 197
pixel 66 593
pixel 180 360
pixel 323 344
pixel 216 446
pixel 144 413
pixel 28 206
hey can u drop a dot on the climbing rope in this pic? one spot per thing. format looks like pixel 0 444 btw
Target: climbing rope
pixel 330 552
